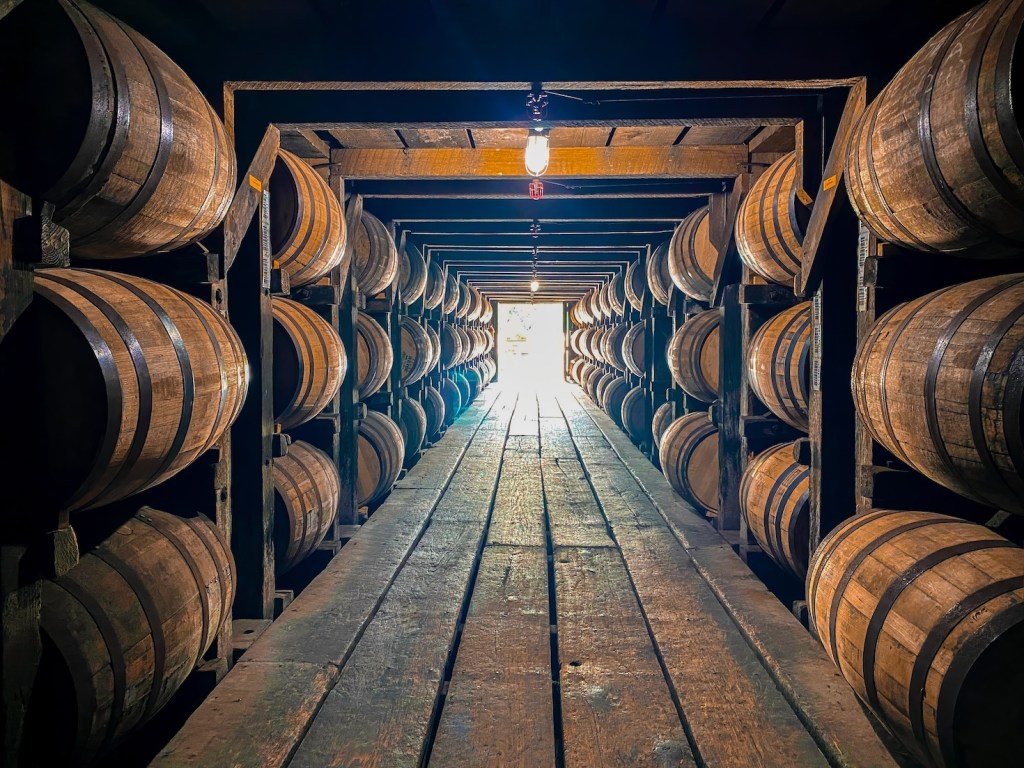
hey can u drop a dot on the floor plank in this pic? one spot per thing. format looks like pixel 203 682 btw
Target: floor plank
pixel 498 711
pixel 518 516
pixel 616 707
pixel 525 421
pixel 573 514
pixel 555 440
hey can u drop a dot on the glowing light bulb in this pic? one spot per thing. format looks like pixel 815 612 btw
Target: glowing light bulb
pixel 534 285
pixel 538 152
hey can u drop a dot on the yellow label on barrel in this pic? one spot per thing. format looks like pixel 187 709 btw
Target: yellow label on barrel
pixel 255 183
pixel 828 183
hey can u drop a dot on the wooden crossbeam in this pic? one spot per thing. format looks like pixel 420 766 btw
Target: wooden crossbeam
pixel 677 162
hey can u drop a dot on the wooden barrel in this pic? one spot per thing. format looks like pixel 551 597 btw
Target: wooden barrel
pixel 635 284
pixel 111 132
pixel 123 629
pixel 574 340
pixel 451 296
pixel 452 400
pixel 306 494
pixel 693 356
pixel 617 295
pixel 659 279
pixel 475 380
pixel 660 421
pixel 435 344
pixel 585 312
pixel 774 499
pixel 412 422
pixel 588 375
pixel 613 397
pixel 689 459
pixel 576 369
pixel 465 392
pixel 375 264
pixel 611 345
pixel 381 453
pixel 417 351
pixel 309 363
pixel 433 407
pixel 924 616
pixel 936 162
pixel 604 310
pixel 779 364
pixel 412 274
pixel 451 345
pixel 594 306
pixel 594 343
pixel 433 295
pixel 692 258
pixel 465 301
pixel 769 226
pixel 634 412
pixel 307 226
pixel 634 350
pixel 120 384
pixel 938 381
pixel 476 305
pixel 601 384
pixel 488 312
pixel 374 356
pixel 466 344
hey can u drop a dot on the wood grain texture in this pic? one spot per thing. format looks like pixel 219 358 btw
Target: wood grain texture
pixel 617 709
pixel 518 516
pixel 573 514
pixel 498 709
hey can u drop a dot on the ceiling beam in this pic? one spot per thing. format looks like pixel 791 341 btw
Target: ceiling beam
pixel 561 209
pixel 517 188
pixel 549 240
pixel 683 162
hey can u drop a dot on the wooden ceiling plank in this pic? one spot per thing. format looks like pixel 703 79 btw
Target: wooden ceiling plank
pixel 644 136
pixel 703 135
pixel 500 137
pixel 681 162
pixel 365 138
pixel 306 144
pixel 774 139
pixel 563 136
pixel 423 138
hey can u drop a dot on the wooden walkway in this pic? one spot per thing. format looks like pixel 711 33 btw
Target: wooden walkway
pixel 532 594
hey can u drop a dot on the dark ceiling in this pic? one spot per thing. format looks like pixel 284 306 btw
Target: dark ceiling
pixel 474 222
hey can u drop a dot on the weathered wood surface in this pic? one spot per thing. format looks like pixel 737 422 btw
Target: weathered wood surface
pixel 518 516
pixel 573 513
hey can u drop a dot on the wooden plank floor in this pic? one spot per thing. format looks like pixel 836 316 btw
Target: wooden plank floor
pixel 532 594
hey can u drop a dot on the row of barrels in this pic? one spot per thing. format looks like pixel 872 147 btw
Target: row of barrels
pixel 461 345
pixel 621 346
pixel 455 298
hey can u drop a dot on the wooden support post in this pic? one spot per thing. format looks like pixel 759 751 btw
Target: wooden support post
pixel 729 410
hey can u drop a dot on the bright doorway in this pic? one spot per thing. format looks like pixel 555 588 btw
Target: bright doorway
pixel 530 345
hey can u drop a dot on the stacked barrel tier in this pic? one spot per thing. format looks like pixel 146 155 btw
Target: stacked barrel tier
pixel 612 341
pixel 307 490
pixel 924 616
pixel 634 350
pixel 778 365
pixel 663 416
pixel 375 261
pixel 433 293
pixel 451 297
pixel 938 381
pixel 693 356
pixel 463 345
pixel 434 408
pixel 617 295
pixel 412 423
pixel 688 451
pixel 309 363
pixel 774 497
pixel 635 284
pixel 634 411
pixel 613 396
pixel 307 225
pixel 381 453
pixel 374 356
pixel 659 279
pixel 451 396
pixel 770 223
pixel 124 145
pixel 412 274
pixel 936 162
pixel 123 629
pixel 120 382
pixel 417 351
pixel 692 259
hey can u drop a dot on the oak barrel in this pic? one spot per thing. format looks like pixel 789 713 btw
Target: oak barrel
pixel 307 225
pixel 381 453
pixel 309 362
pixel 602 306
pixel 691 256
pixel 634 415
pixel 466 344
pixel 778 364
pixel 936 162
pixel 465 392
pixel 601 385
pixel 475 380
pixel 375 261
pixel 939 381
pixel 451 345
pixel 107 128
pixel 636 284
pixel 476 306
pixel 488 311
pixel 306 494
pixel 465 301
pixel 693 356
pixel 617 295
pixel 451 296
pixel 611 345
pixel 663 416
pixel 412 274
pixel 924 616
pixel 659 279
pixel 120 383
pixel 417 351
pixel 412 422
pixel 123 629
pixel 435 345
pixel 769 226
pixel 774 497
pixel 374 356
pixel 689 459
pixel 612 398
pixel 433 407
pixel 433 294
pixel 452 398
pixel 634 353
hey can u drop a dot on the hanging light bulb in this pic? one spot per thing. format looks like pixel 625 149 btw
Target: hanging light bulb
pixel 534 285
pixel 538 151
